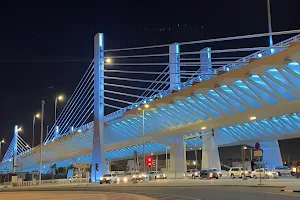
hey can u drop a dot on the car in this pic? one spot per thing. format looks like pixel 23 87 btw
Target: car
pixel 217 171
pixel 122 179
pixel 157 175
pixel 282 170
pixel 209 174
pixel 137 176
pixel 238 172
pixel 109 178
pixel 264 174
pixel 192 173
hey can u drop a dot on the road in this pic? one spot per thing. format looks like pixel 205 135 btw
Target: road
pixel 160 193
pixel 208 193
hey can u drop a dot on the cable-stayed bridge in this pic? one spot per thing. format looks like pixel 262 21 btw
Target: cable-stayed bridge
pixel 239 94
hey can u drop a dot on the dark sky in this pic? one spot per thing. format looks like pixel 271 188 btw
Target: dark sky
pixel 50 43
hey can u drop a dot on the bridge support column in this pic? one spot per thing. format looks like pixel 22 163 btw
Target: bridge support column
pixel 205 63
pixel 174 66
pixel 210 151
pixel 271 153
pixel 177 158
pixel 98 162
pixel 15 149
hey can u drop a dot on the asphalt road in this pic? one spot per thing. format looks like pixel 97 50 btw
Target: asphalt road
pixel 158 193
pixel 209 193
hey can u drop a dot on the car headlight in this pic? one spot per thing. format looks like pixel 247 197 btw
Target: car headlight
pixel 210 174
pixel 125 179
pixel 133 176
pixel 294 169
pixel 118 179
pixel 246 172
pixel 196 173
pixel 164 175
pixel 101 178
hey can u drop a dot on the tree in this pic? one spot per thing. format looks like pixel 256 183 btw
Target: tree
pixel 61 170
pixel 54 169
pixel 71 167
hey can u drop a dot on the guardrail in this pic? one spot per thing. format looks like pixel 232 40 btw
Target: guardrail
pixel 71 181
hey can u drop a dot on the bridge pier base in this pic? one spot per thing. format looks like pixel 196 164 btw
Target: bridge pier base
pixel 177 158
pixel 210 152
pixel 271 153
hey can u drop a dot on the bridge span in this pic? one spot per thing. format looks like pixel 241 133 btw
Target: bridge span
pixel 176 101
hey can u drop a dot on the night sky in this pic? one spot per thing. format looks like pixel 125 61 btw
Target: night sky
pixel 46 46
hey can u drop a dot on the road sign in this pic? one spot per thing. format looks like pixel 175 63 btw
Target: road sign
pixel 257 146
pixel 258 153
pixel 82 165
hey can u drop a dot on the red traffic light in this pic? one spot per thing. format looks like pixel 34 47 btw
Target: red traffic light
pixel 149 161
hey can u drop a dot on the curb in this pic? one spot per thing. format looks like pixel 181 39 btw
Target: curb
pixel 290 191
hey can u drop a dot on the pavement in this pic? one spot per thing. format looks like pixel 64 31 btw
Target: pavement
pixel 155 193
pixel 71 195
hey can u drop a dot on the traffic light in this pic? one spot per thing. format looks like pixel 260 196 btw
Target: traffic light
pixel 149 161
pixel 97 167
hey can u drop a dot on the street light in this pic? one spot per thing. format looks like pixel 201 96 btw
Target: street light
pixel 60 98
pixel 252 118
pixel 41 144
pixel 33 126
pixel 108 60
pixel 243 158
pixel 2 141
pixel 143 127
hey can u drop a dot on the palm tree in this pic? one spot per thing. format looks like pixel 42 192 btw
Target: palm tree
pixel 54 168
pixel 71 167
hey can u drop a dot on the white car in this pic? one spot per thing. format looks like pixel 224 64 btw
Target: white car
pixel 217 171
pixel 238 172
pixel 109 178
pixel 263 173
pixel 282 170
pixel 192 173
pixel 157 175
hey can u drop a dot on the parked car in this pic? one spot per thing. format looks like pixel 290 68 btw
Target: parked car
pixel 264 174
pixel 209 174
pixel 238 172
pixel 157 175
pixel 282 170
pixel 192 173
pixel 109 178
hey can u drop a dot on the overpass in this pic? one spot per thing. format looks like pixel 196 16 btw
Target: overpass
pixel 205 96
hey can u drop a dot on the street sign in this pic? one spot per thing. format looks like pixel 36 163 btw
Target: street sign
pixel 257 146
pixel 82 165
pixel 258 153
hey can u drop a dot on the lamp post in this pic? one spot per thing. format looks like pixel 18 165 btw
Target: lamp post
pixel 33 126
pixel 2 141
pixel 61 97
pixel 243 158
pixel 143 132
pixel 41 145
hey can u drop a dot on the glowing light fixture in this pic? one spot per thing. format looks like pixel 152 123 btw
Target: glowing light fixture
pixel 108 60
pixel 203 128
pixel 147 106
pixel 259 55
pixel 252 118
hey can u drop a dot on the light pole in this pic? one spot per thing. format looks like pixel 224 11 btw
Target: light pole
pixel 60 98
pixel 269 22
pixel 41 145
pixel 143 131
pixel 2 141
pixel 33 126
pixel 243 157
